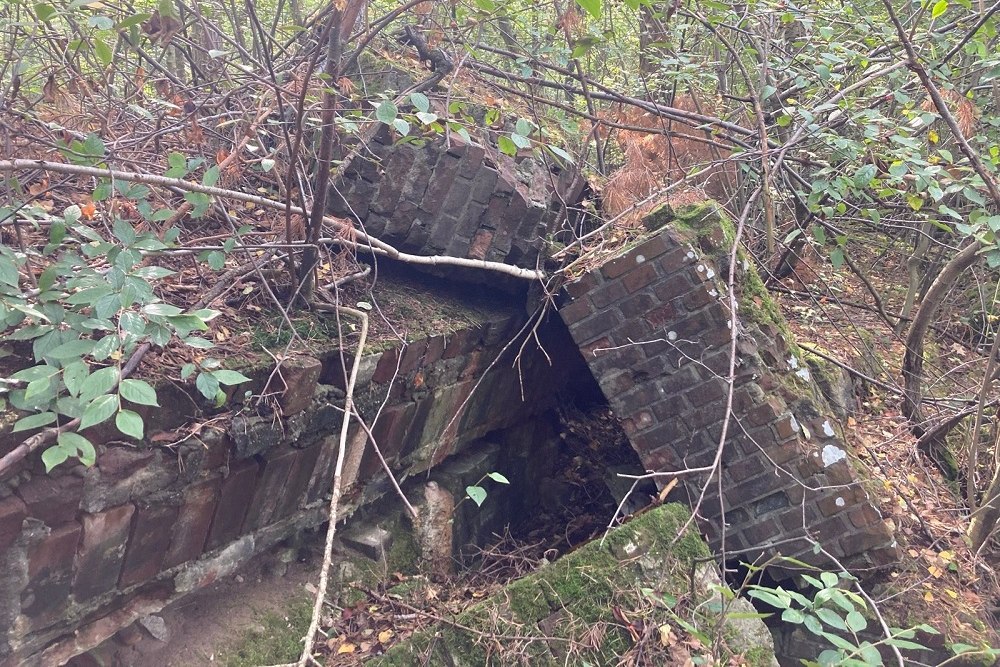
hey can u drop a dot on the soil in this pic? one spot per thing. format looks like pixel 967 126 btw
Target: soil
pixel 209 626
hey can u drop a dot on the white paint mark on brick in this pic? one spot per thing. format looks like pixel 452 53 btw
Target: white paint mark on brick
pixel 803 373
pixel 701 268
pixel 839 502
pixel 713 293
pixel 630 548
pixel 793 363
pixel 691 254
pixel 639 259
pixel 828 429
pixel 671 335
pixel 710 274
pixel 832 454
pixel 795 423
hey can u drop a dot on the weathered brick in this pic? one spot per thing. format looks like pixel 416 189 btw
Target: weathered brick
pixel 706 392
pixel 50 574
pixel 640 278
pixel 400 221
pixel 653 248
pixel 619 266
pixel 322 478
pixel 760 532
pixel 608 294
pixel 102 551
pixel 440 184
pixel 293 493
pixel 12 514
pixel 387 367
pixel 699 297
pixel 745 467
pixel 270 487
pixel 864 515
pixel 754 488
pixel 484 185
pixel 786 427
pixel 190 530
pixel 595 326
pixel 637 305
pixel 582 286
pixel 390 186
pixel 678 262
pixel 54 500
pixel 671 405
pixel 480 244
pixel 234 500
pixel 148 543
pixel 766 412
pixel 672 287
pixel 573 312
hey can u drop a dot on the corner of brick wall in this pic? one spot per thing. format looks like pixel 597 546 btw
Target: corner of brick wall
pixel 655 327
pixel 148 524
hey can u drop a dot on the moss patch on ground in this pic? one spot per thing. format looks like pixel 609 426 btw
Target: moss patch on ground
pixel 277 639
pixel 566 611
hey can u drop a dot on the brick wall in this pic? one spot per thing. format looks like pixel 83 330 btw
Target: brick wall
pixel 461 200
pixel 655 327
pixel 86 551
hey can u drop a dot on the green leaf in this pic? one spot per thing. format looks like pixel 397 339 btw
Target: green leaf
pixel 831 618
pixel 477 494
pixel 940 7
pixel 82 447
pixel 497 477
pixel 592 7
pixel 856 622
pixel 33 421
pixel 520 140
pixel 401 126
pixel 207 385
pixel 99 410
pixel 837 259
pixel 793 616
pixel 44 11
pixel 522 127
pixel 426 118
pixel 99 382
pixel 420 102
pixel 486 5
pixel 386 112
pixel 53 456
pixel 506 146
pixel 8 271
pixel 161 309
pixel 71 349
pixel 129 423
pixel 266 164
pixel 74 374
pixel 560 153
pixel 138 391
pixel 211 177
pixel 230 377
pixel 103 52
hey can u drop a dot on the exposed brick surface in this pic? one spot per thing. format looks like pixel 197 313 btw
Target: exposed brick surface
pixel 54 500
pixel 12 513
pixel 102 551
pixel 672 408
pixel 50 574
pixel 148 543
pixel 237 491
pixel 270 488
pixel 190 530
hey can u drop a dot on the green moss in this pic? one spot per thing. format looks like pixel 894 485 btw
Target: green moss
pixel 404 555
pixel 280 641
pixel 527 601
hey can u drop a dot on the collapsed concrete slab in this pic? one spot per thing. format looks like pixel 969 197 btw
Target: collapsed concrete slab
pixel 655 326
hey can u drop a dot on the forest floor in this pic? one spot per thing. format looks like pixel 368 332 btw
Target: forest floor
pixel 941 580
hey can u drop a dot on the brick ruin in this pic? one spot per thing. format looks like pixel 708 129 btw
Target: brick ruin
pixel 87 551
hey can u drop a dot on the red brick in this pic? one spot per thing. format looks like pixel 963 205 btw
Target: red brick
pixel 786 428
pixel 270 487
pixel 385 370
pixel 480 244
pixel 148 543
pixel 653 248
pixel 435 349
pixel 298 479
pixel 619 266
pixel 50 574
pixel 766 412
pixel 575 311
pixel 300 375
pixel 12 513
pixel 237 490
pixel 102 551
pixel 864 515
pixel 642 277
pixel 54 500
pixel 582 286
pixel 412 356
pixel 190 530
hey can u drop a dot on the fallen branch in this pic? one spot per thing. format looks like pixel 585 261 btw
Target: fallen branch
pixel 363 241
